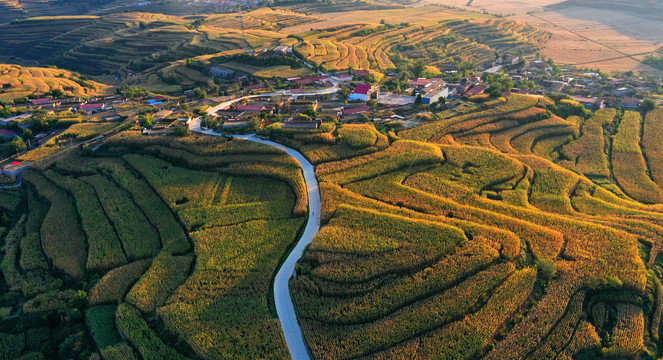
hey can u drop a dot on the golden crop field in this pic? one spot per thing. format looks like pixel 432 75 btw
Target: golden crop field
pixel 369 45
pixel 18 82
pixel 480 236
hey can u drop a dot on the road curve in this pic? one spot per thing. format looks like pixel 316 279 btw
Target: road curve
pixel 285 308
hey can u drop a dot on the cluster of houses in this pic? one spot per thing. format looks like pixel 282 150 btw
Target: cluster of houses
pixel 288 110
pixel 91 106
pixel 588 88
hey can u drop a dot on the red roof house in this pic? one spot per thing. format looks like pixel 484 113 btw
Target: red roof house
pixel 93 107
pixel 476 90
pixel 357 110
pixel 251 108
pixel 7 134
pixel 42 101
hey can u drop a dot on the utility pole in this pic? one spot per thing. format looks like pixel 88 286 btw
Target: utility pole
pixel 241 20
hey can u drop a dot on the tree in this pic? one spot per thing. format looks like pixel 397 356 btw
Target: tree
pixel 18 144
pixel 215 89
pixel 147 121
pixel 310 112
pixel 182 131
pixel 373 104
pixel 418 68
pixel 200 93
pixel 86 150
pixel 495 91
pixel 57 93
pixel 648 105
pixel 27 134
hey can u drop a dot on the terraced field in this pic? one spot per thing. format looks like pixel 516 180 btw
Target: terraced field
pixel 481 236
pixel 124 43
pixel 155 249
pixel 17 82
pixel 363 46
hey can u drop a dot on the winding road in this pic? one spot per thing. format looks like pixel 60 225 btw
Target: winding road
pixel 285 308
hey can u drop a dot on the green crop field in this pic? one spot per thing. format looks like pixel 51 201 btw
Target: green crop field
pixel 492 234
pixel 139 248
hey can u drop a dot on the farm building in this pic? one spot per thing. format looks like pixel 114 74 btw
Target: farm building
pixel 364 92
pixel 221 72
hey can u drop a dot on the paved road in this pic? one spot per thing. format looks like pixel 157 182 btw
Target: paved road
pixel 223 105
pixel 285 308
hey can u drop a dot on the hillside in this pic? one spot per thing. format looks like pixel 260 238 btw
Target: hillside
pixel 156 45
pixel 449 41
pixel 135 253
pixel 18 83
pixel 507 232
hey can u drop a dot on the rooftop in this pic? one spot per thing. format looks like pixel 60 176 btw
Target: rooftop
pixel 362 89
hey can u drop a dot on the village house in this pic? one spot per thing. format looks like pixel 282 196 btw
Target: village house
pixel 15 118
pixel 251 108
pixel 476 90
pixel 623 91
pixel 40 102
pixel 554 85
pixel 16 168
pixel 162 114
pixel 511 60
pixel 431 90
pixel 299 106
pixel 282 50
pixel 364 92
pixel 7 134
pixel 311 124
pixel 331 110
pixel 590 103
pixel 92 108
pixel 630 103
